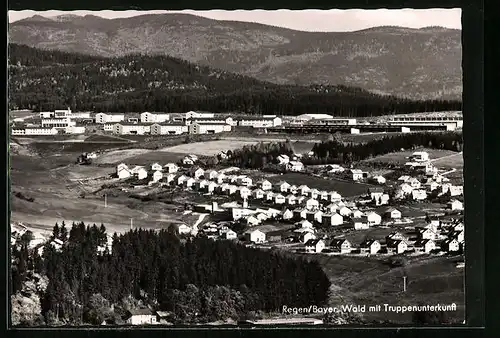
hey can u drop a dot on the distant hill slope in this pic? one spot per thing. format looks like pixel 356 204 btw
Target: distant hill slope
pixel 416 63
pixel 47 80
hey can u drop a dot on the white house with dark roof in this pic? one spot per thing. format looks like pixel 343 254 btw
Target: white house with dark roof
pixel 171 168
pixel 450 245
pixel 397 247
pixel 139 172
pixel 291 199
pixel 370 246
pixel 287 214
pixel 305 236
pixel 331 208
pixel 301 199
pixel 323 195
pixel 300 213
pixel 258 194
pixel 304 190
pixel 332 219
pixel 424 245
pixel 269 195
pixel 360 223
pixel 244 180
pixel 334 196
pixel 315 245
pixel 313 193
pixel 305 224
pixel 341 245
pixel 373 218
pixel 312 204
pixel 419 195
pixel 255 236
pixel 211 174
pixel 279 199
pixel 244 192
pixel 189 183
pixel 264 185
pixel 345 211
pixel 391 213
pixel 282 186
pixel 211 187
pixel 314 216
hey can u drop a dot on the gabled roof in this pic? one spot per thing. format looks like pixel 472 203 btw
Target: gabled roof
pixel 368 243
pixel 312 242
pixel 336 242
pixel 140 312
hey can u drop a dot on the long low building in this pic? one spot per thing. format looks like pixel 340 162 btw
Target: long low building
pixel 148 117
pixel 32 131
pixel 169 129
pixel 208 128
pixel 260 122
pixel 131 129
pixel 109 117
pixel 451 122
pixel 332 122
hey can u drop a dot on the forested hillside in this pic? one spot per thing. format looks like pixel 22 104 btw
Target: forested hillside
pixel 46 80
pixel 197 280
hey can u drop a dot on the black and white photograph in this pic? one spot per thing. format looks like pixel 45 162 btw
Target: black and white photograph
pixel 244 168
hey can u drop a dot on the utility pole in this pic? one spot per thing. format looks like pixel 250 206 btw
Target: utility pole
pixel 404 283
pixel 105 200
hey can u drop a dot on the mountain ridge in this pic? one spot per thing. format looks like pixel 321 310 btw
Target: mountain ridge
pixel 420 63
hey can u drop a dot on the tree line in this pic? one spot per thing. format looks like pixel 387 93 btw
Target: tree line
pixel 335 151
pixel 48 80
pixel 196 279
pixel 257 156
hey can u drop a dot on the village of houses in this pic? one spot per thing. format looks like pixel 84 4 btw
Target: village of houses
pixel 304 219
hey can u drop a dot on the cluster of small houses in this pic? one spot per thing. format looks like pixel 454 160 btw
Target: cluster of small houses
pixel 306 207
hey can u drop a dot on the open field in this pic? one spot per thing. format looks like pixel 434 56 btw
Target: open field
pixel 162 157
pixel 449 162
pixel 371 281
pixel 345 188
pixel 401 157
pixel 116 156
pixel 107 138
pixel 57 197
pixel 209 148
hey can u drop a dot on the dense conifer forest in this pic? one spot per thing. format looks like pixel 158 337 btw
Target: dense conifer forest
pixel 198 280
pixel 46 80
pixel 335 151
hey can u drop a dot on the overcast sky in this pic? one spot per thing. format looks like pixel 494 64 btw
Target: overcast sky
pixel 306 20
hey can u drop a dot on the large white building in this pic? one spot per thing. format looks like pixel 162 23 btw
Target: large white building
pixel 221 120
pixel 208 128
pixel 260 122
pixel 33 131
pixel 64 113
pixel 308 117
pixel 169 129
pixel 333 122
pixel 131 129
pixel 451 121
pixel 148 117
pixel 198 115
pixel 109 117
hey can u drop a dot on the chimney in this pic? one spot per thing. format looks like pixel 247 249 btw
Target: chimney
pixel 214 207
pixel 245 203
